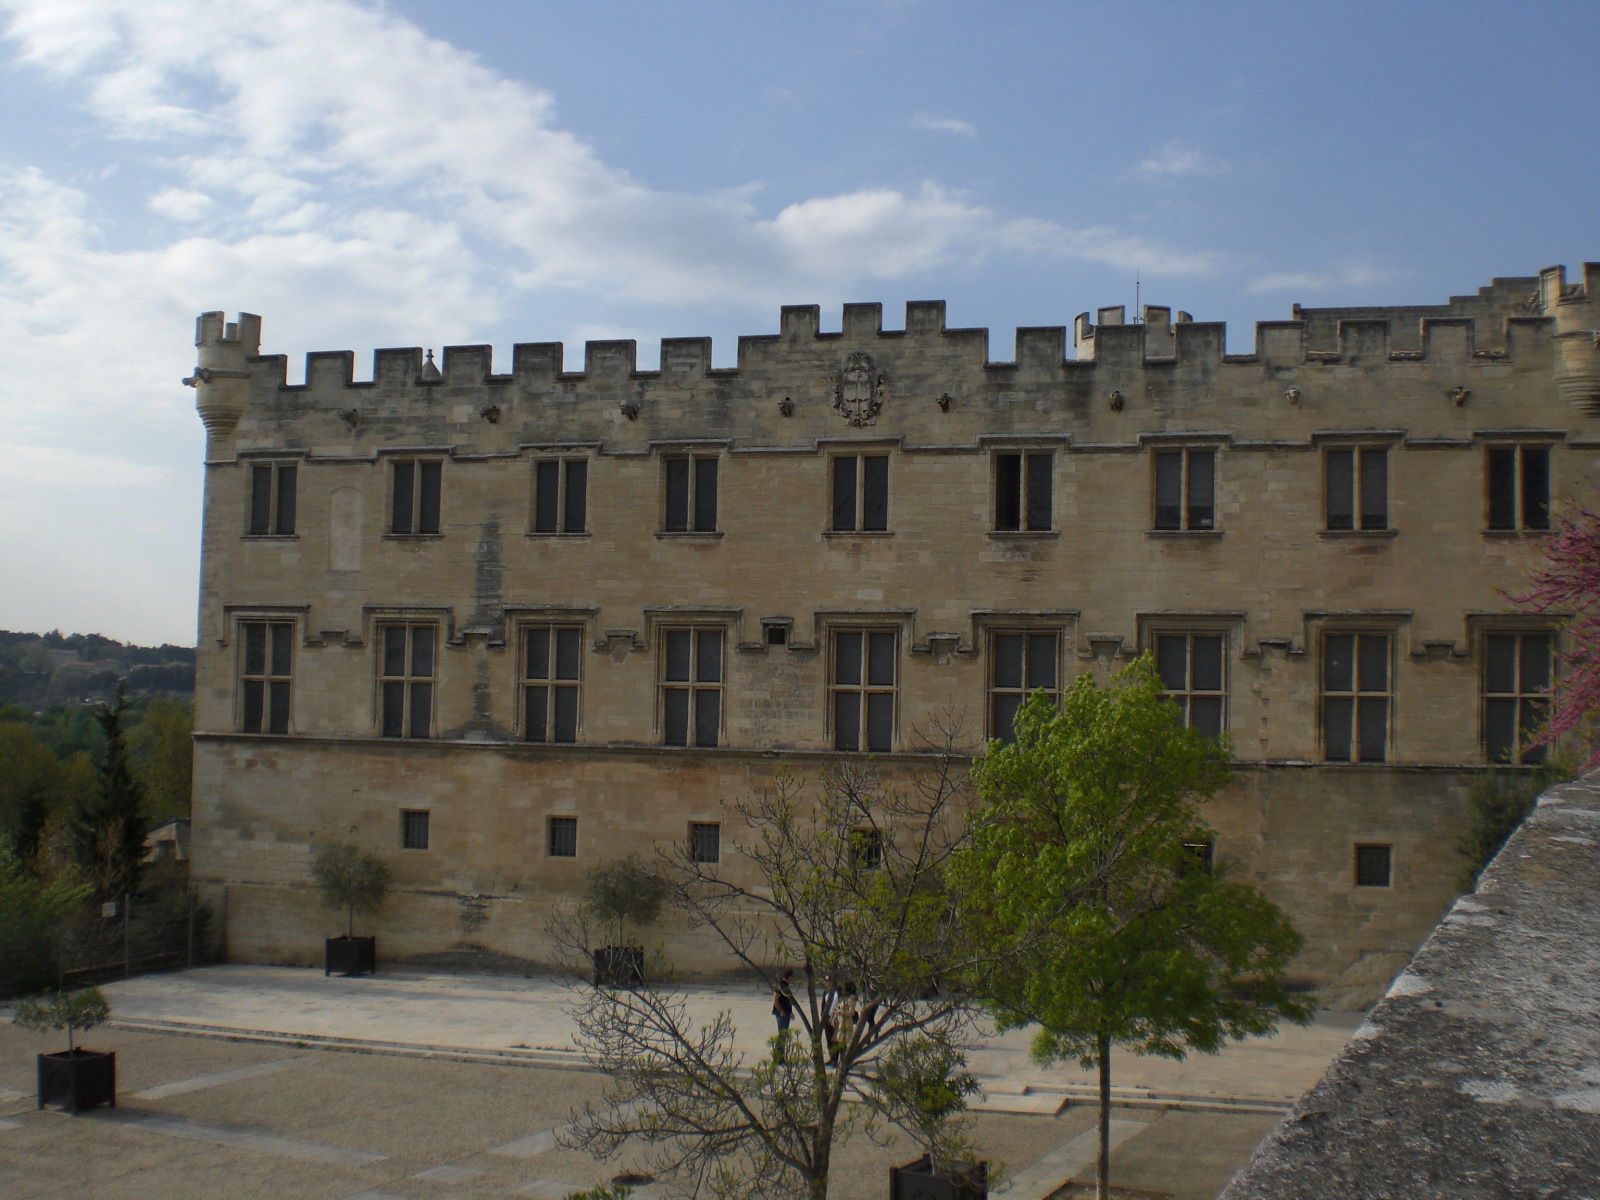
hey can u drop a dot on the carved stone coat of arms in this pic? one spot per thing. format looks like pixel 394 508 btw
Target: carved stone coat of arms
pixel 859 393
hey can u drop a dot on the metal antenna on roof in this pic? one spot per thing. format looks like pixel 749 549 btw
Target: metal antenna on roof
pixel 1138 310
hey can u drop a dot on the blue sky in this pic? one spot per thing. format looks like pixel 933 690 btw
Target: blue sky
pixel 431 172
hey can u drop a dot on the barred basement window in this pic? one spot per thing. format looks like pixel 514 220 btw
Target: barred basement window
pixel 866 848
pixel 405 680
pixel 1186 489
pixel 691 494
pixel 1519 487
pixel 265 675
pixel 1355 697
pixel 551 656
pixel 414 829
pixel 691 686
pixel 414 495
pixel 1357 487
pixel 1191 668
pixel 864 689
pixel 563 837
pixel 272 499
pixel 1021 663
pixel 861 492
pixel 560 495
pixel 1023 486
pixel 1516 695
pixel 705 842
pixel 1373 865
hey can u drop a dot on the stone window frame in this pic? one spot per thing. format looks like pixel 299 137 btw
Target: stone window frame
pixel 862 687
pixel 415 828
pixel 559 503
pixel 561 836
pixel 1518 475
pixel 705 842
pixel 1187 447
pixel 415 506
pixel 551 626
pixel 1392 624
pixel 271 497
pixel 1360 445
pixel 859 492
pixel 1520 627
pixel 268 678
pixel 701 473
pixel 411 685
pixel 1014 494
pixel 1228 626
pixel 1372 865
pixel 692 690
pixel 867 845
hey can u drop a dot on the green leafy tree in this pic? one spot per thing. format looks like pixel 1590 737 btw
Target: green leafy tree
pixel 31 913
pixel 109 827
pixel 161 750
pixel 624 892
pixel 31 787
pixel 70 1011
pixel 350 878
pixel 1078 857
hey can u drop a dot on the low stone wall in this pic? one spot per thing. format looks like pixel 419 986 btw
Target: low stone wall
pixel 1478 1075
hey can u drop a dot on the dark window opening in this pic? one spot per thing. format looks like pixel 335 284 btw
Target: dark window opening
pixel 691 686
pixel 861 493
pixel 272 498
pixel 866 848
pixel 1355 697
pixel 1516 695
pixel 864 689
pixel 560 495
pixel 1373 865
pixel 1023 486
pixel 691 494
pixel 1186 487
pixel 1022 664
pixel 1191 669
pixel 563 837
pixel 1358 488
pixel 414 829
pixel 550 664
pixel 1519 487
pixel 405 680
pixel 265 675
pixel 414 504
pixel 705 842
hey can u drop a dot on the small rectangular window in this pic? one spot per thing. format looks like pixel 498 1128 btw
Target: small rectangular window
pixel 563 839
pixel 265 676
pixel 1519 487
pixel 705 842
pixel 1191 667
pixel 1186 489
pixel 1023 488
pixel 405 680
pixel 864 685
pixel 1373 865
pixel 1201 855
pixel 414 496
pixel 866 848
pixel 272 499
pixel 691 686
pixel 1356 697
pixel 1021 663
pixel 414 829
pixel 551 657
pixel 1516 695
pixel 860 493
pixel 691 494
pixel 560 495
pixel 1357 487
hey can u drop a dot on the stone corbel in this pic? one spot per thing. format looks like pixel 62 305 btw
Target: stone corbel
pixel 618 641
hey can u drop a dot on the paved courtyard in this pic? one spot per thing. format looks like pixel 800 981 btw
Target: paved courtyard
pixel 254 1081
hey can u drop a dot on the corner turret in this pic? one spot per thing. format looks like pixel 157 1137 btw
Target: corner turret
pixel 222 375
pixel 1576 309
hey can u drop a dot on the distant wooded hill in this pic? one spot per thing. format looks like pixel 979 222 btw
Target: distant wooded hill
pixel 38 670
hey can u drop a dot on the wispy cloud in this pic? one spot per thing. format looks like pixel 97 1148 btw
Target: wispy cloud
pixel 933 124
pixel 1178 159
pixel 1349 274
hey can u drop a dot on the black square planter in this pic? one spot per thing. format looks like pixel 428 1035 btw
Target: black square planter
pixel 350 956
pixel 918 1181
pixel 619 966
pixel 78 1079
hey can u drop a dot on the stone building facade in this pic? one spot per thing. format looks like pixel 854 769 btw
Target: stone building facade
pixel 502 628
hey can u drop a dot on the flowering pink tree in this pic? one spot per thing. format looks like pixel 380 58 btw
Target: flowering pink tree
pixel 1569 582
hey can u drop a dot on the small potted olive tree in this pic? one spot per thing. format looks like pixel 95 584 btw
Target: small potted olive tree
pixel 922 1086
pixel 74 1078
pixel 619 894
pixel 355 880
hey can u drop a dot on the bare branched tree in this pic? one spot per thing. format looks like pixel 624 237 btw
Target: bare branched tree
pixel 842 884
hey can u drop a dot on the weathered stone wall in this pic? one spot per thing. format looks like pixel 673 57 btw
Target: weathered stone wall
pixel 1436 386
pixel 1478 1076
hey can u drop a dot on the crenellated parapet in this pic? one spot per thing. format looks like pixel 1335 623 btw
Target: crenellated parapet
pixel 1576 310
pixel 928 384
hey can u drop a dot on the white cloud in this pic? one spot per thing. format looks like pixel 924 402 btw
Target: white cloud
pixel 1177 159
pixel 179 204
pixel 1349 274
pixel 935 124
